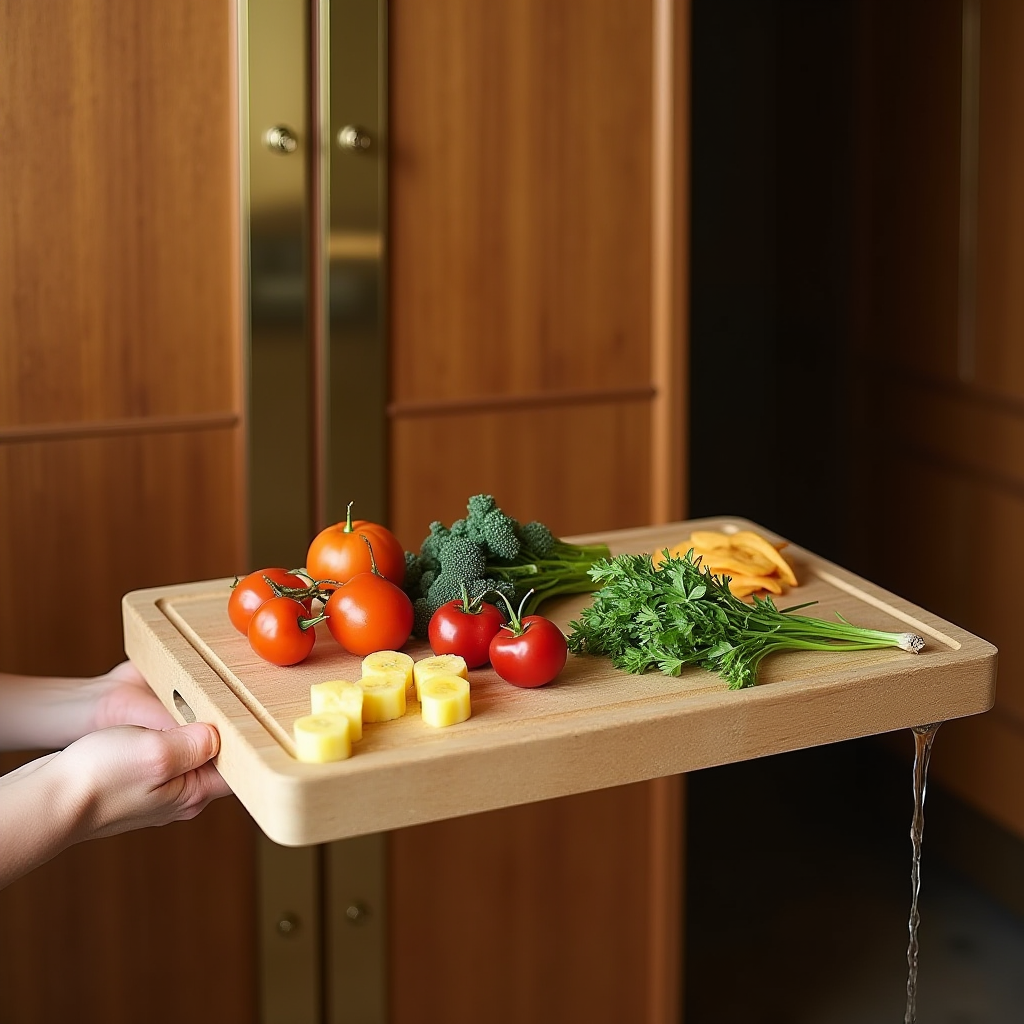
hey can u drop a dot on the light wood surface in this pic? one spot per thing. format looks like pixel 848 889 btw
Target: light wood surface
pixel 594 728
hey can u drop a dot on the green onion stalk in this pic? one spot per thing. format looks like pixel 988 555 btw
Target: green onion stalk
pixel 680 614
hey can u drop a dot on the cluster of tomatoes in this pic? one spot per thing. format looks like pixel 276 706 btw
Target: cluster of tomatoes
pixel 526 650
pixel 354 571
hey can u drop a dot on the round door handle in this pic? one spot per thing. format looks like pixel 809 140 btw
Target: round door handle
pixel 280 139
pixel 354 138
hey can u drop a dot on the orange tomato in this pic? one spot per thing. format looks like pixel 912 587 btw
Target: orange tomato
pixel 339 552
pixel 369 614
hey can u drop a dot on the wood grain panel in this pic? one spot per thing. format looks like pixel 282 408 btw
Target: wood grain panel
pixel 580 469
pixel 908 149
pixel 939 486
pixel 955 543
pixel 118 212
pixel 118 513
pixel 558 899
pixel 999 356
pixel 156 925
pixel 520 196
pixel 979 760
pixel 979 432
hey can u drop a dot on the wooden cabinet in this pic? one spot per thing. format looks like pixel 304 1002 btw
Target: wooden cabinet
pixel 940 368
pixel 121 463
pixel 537 299
pixel 529 361
pixel 537 310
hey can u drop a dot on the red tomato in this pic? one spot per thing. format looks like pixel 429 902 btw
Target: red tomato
pixel 340 553
pixel 531 657
pixel 453 630
pixel 279 631
pixel 368 614
pixel 252 590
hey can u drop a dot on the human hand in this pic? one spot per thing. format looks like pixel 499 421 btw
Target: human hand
pixel 127 777
pixel 122 697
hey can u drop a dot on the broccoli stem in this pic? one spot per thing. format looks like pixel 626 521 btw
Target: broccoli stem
pixel 580 552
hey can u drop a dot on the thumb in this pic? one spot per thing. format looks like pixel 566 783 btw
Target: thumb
pixel 189 747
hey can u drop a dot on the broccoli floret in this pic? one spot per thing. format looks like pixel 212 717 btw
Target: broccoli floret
pixel 430 549
pixel 420 616
pixel 460 528
pixel 537 538
pixel 489 583
pixel 479 505
pixel 501 535
pixel 426 580
pixel 413 571
pixel 462 559
pixel 444 588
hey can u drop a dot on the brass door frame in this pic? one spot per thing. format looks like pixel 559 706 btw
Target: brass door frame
pixel 312 101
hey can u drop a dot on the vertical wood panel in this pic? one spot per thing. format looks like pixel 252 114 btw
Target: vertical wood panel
pixel 118 224
pixel 538 353
pixel 520 196
pixel 580 469
pixel 939 488
pixel 121 463
pixel 109 515
pixel 909 145
pixel 535 913
pixel 156 925
pixel 1000 298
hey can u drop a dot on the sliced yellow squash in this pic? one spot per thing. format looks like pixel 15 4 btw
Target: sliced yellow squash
pixel 444 700
pixel 439 665
pixel 383 696
pixel 339 695
pixel 322 738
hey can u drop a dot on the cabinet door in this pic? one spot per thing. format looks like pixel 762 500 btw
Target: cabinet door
pixel 537 297
pixel 120 463
pixel 940 365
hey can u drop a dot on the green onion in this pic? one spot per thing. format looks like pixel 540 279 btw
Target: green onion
pixel 679 614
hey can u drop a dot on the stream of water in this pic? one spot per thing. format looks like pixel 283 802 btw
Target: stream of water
pixel 924 737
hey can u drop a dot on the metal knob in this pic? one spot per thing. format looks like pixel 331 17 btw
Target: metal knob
pixel 354 138
pixel 280 139
pixel 357 913
pixel 287 924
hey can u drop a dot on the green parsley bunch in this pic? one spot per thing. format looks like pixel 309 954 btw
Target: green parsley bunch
pixel 679 613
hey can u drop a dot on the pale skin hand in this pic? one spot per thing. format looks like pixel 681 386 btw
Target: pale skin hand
pixel 126 766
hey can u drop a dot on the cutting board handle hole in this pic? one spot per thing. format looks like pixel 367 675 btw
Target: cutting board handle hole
pixel 183 709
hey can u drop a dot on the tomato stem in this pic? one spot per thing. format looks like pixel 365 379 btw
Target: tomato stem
pixel 314 589
pixel 515 619
pixel 373 561
pixel 305 623
pixel 473 606
pixel 348 518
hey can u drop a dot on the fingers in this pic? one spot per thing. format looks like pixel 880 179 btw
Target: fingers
pixel 147 711
pixel 184 749
pixel 197 789
pixel 125 777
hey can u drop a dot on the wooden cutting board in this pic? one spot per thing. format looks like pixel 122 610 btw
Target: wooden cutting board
pixel 591 728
